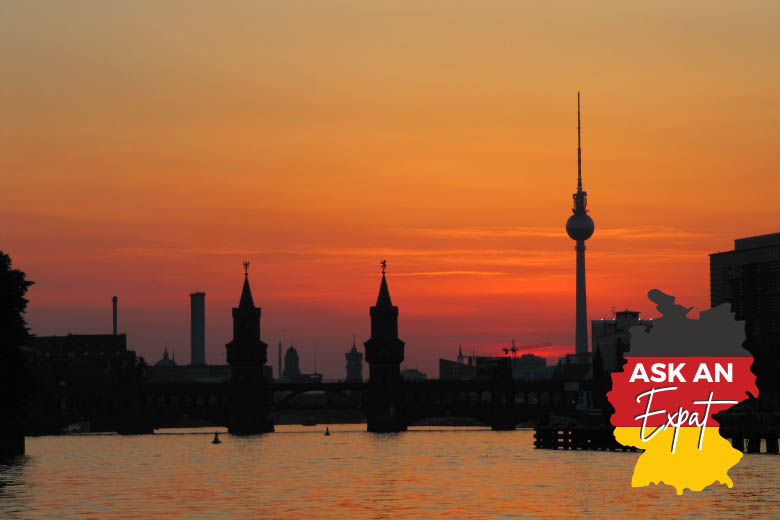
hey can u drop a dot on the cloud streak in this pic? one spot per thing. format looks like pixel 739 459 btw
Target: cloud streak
pixel 454 273
pixel 641 232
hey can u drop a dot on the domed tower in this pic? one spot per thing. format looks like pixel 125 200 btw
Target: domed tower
pixel 580 228
pixel 354 364
pixel 291 363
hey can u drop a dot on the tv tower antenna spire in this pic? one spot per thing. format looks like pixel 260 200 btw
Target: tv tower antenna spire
pixel 580 228
pixel 579 147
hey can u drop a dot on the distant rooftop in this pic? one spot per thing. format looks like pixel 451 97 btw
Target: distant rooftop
pixel 80 340
pixel 772 239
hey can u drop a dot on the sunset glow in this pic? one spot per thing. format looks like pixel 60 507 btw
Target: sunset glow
pixel 146 151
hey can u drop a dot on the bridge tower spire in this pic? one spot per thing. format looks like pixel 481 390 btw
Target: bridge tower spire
pixel 384 354
pixel 246 355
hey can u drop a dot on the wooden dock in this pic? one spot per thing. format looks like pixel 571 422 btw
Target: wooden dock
pixel 600 438
pixel 577 438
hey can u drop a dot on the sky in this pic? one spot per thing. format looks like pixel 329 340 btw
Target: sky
pixel 148 149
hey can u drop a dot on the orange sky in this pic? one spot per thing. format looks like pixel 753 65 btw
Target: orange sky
pixel 147 150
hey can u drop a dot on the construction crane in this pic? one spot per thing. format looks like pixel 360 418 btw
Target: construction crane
pixel 515 348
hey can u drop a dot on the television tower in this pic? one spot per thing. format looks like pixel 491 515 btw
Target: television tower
pixel 580 228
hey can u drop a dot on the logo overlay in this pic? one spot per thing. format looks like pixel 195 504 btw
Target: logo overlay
pixel 677 375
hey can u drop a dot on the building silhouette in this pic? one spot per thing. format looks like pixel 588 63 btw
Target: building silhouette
pixel 292 370
pixel 611 338
pixel 459 369
pixel 166 361
pixel 291 363
pixel 354 363
pixel 530 367
pixel 526 367
pixel 198 328
pixel 413 374
pixel 749 279
pixel 279 362
pixel 114 300
pixel 580 228
pixel 82 355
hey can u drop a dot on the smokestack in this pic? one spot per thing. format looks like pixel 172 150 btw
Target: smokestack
pixel 114 300
pixel 198 328
pixel 280 360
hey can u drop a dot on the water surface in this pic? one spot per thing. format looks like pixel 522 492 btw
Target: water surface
pixel 297 472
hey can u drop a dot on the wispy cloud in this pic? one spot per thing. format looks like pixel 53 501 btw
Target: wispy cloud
pixel 485 232
pixel 640 232
pixel 651 232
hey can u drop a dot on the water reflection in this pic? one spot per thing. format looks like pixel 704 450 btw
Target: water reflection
pixel 300 473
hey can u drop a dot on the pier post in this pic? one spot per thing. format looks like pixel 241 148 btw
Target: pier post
pixel 772 444
pixel 11 443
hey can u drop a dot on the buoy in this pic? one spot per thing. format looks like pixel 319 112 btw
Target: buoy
pixel 327 431
pixel 216 439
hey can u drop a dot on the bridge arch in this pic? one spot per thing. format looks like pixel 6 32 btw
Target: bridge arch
pixel 290 395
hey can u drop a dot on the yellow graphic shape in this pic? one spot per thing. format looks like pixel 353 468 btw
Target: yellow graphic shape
pixel 688 467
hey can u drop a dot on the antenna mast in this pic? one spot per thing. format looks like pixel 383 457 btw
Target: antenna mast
pixel 579 147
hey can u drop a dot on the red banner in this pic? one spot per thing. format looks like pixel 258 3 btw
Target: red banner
pixel 678 390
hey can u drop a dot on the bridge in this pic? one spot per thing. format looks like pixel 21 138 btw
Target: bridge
pixel 145 407
pixel 250 403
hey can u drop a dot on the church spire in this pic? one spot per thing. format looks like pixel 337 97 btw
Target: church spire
pixel 246 301
pixel 383 300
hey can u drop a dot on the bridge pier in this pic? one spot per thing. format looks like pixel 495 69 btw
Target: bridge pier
pixel 383 410
pixel 502 417
pixel 502 422
pixel 133 419
pixel 249 407
pixel 11 442
pixel 134 425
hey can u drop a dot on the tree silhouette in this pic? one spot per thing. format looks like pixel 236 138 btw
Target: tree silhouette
pixel 14 378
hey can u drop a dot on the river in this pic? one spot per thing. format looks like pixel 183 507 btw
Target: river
pixel 297 472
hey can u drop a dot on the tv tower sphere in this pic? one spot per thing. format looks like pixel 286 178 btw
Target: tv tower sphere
pixel 580 227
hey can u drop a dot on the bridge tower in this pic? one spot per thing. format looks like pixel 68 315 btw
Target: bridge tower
pixel 384 354
pixel 246 355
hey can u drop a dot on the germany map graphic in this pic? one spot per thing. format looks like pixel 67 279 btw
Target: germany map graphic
pixel 677 375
